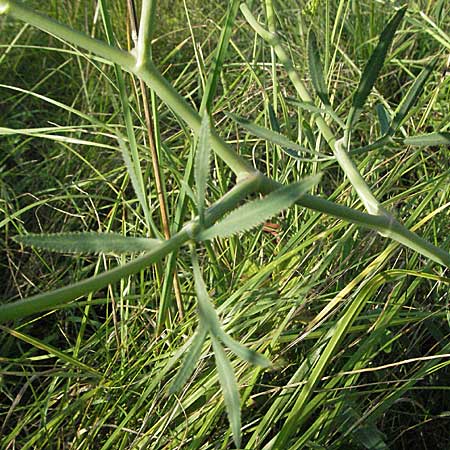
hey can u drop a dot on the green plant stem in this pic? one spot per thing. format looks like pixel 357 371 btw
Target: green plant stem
pixel 339 150
pixel 50 300
pixel 145 32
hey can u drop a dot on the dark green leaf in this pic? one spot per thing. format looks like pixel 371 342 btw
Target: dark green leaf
pixel 272 136
pixel 383 118
pixel 258 211
pixel 230 390
pixel 374 65
pixel 315 69
pixel 411 97
pixel 89 242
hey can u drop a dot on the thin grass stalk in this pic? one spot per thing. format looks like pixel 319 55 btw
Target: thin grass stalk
pixel 151 133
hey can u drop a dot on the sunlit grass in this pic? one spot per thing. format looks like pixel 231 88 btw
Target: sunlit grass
pixel 96 373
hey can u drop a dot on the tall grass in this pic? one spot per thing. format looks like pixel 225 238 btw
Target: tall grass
pixel 349 306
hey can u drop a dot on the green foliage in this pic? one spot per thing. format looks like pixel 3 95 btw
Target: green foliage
pixel 350 320
pixel 89 242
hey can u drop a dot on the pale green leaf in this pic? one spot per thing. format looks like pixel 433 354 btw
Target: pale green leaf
pixel 258 211
pixel 272 136
pixel 426 140
pixel 315 69
pixel 230 390
pixel 209 317
pixel 201 167
pixel 190 361
pixel 88 242
pixel 327 110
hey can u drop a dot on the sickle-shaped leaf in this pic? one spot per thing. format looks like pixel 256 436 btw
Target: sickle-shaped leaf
pixel 201 168
pixel 258 211
pixel 190 361
pixel 411 97
pixel 230 390
pixel 315 69
pixel 89 242
pixel 374 65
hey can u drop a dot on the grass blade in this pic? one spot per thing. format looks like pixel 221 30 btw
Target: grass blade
pixel 315 69
pixel 315 109
pixel 426 140
pixel 411 97
pixel 209 317
pixel 258 211
pixel 190 361
pixel 230 390
pixel 201 167
pixel 89 242
pixel 374 65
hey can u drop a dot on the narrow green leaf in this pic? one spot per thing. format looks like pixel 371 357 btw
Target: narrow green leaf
pixel 230 390
pixel 219 57
pixel 272 136
pixel 89 242
pixel 258 211
pixel 208 315
pixel 190 361
pixel 242 351
pixel 374 65
pixel 383 118
pixel 315 69
pixel 411 97
pixel 201 167
pixel 426 140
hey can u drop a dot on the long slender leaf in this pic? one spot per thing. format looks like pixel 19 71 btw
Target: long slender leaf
pixel 208 315
pixel 89 242
pixel 412 96
pixel 426 140
pixel 201 167
pixel 315 69
pixel 272 136
pixel 374 65
pixel 230 390
pixel 258 211
pixel 219 57
pixel 190 361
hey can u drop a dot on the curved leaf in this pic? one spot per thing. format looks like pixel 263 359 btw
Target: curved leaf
pixel 88 242
pixel 230 390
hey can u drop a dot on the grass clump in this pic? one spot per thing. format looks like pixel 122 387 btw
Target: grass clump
pixel 313 199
